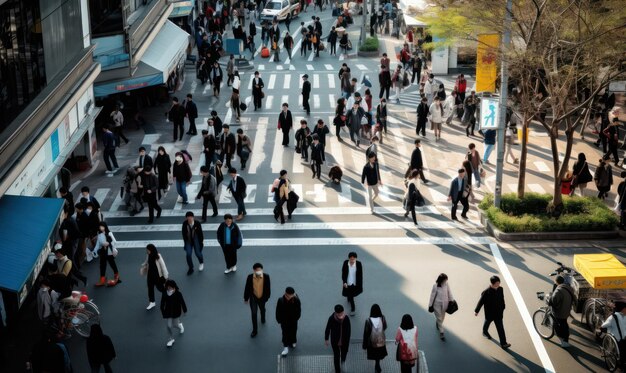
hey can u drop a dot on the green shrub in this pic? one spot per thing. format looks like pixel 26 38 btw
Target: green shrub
pixel 370 45
pixel 529 214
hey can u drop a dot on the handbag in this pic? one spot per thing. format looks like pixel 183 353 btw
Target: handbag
pixel 278 126
pixel 402 352
pixel 115 252
pixel 483 173
pixel 452 307
pixel 143 270
pixel 431 308
pixel 575 177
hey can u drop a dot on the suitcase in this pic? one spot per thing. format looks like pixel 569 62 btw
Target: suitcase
pixel 265 52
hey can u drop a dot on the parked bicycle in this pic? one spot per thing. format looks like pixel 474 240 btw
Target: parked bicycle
pixel 77 313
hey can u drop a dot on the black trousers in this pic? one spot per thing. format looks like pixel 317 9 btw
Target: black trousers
pixel 350 295
pixel 499 328
pixel 317 169
pixel 205 203
pixel 339 352
pixel 421 127
pixel 179 128
pixel 416 74
pixel 285 137
pixel 96 368
pixel 382 91
pixel 304 152
pixel 463 201
pixel 333 48
pixel 227 157
pixel 290 330
pixel 257 100
pixel 104 258
pixel 152 283
pixel 152 204
pixel 256 305
pixel 119 134
pixel 612 151
pixel 561 328
pixel 305 104
pixel 230 255
pixel 192 126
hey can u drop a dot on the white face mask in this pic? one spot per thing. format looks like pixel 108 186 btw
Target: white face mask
pixel 170 292
pixel 88 211
pixel 258 273
pixel 179 159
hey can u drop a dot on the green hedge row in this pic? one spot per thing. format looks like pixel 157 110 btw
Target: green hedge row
pixel 370 45
pixel 529 214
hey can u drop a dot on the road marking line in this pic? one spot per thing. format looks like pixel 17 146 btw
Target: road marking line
pixel 284 99
pixel 361 67
pixel 536 188
pixel 260 67
pixel 310 67
pixel 341 57
pixel 268 101
pixel 316 101
pixel 521 307
pixel 329 67
pixel 101 195
pixel 318 193
pixel 311 57
pixel 297 167
pixel 287 82
pixel 259 156
pixel 316 80
pixel 277 154
pixel 542 166
pixel 250 82
pixel 251 193
pixel 272 82
pixel 331 81
pixel 279 67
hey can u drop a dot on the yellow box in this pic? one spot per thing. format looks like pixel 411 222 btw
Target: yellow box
pixel 602 271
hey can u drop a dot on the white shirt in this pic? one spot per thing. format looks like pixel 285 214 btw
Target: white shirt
pixel 429 87
pixel 435 113
pixel 118 118
pixel 351 274
pixel 101 239
pixel 448 105
pixel 611 326
pixel 236 82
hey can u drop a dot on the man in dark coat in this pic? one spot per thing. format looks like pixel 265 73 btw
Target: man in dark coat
pixel 561 301
pixel 150 185
pixel 352 279
pixel 176 115
pixel 144 160
pixel 384 78
pixel 208 190
pixel 306 93
pixel 256 293
pixel 217 123
pixel 459 193
pixel 338 330
pixel 237 187
pixel 288 310
pixel 228 145
pixel 257 90
pixel 416 161
pixel 285 122
pixel 230 239
pixel 193 237
pixel 493 300
pixel 422 116
pixel 191 111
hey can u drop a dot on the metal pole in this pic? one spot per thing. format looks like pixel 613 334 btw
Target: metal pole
pixel 504 82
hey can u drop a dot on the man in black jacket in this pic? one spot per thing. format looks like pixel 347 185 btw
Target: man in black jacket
pixel 422 116
pixel 144 160
pixel 338 329
pixel 257 90
pixel 207 192
pixel 193 238
pixel 285 122
pixel 306 92
pixel 352 279
pixel 416 161
pixel 192 113
pixel 256 293
pixel 493 300
pixel 459 192
pixel 317 156
pixel 150 185
pixel 176 115
pixel 237 188
pixel 288 311
pixel 228 145
pixel 371 175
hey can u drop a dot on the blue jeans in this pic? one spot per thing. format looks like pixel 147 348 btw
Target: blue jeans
pixel 476 173
pixel 488 150
pixel 189 247
pixel 181 189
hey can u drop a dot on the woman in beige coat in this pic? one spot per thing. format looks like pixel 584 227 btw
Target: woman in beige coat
pixel 440 296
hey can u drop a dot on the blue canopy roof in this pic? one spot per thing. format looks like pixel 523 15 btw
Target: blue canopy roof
pixel 26 224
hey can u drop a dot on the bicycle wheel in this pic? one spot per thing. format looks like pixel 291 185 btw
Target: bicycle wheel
pixel 90 306
pixel 610 352
pixel 543 323
pixel 82 322
pixel 594 315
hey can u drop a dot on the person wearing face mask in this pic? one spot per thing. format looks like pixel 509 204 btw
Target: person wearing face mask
pixel 288 311
pixel 150 185
pixel 163 168
pixel 256 293
pixel 230 239
pixel 105 247
pixel 182 174
pixel 430 88
pixel 337 335
pixel 172 308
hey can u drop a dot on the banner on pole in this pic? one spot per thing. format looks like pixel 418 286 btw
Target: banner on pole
pixel 486 62
pixel 489 113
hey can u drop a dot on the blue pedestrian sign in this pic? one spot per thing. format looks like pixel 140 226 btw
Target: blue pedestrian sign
pixel 489 113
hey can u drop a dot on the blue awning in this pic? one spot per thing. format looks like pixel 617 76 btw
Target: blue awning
pixel 181 9
pixel 27 223
pixel 116 81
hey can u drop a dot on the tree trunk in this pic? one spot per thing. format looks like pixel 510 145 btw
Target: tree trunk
pixel 521 178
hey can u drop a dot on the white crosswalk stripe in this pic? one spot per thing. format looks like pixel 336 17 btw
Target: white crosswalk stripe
pixel 310 67
pixel 329 67
pixel 272 81
pixel 331 81
pixel 286 81
pixel 316 81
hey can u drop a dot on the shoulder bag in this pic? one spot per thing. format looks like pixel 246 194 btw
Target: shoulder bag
pixel 452 307
pixel 431 308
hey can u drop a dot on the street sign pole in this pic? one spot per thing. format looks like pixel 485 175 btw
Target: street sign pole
pixel 504 82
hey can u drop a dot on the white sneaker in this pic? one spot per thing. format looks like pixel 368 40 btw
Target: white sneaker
pixel 293 345
pixel 228 270
pixel 170 342
pixel 201 267
pixel 181 327
pixel 285 351
pixel 234 269
pixel 151 305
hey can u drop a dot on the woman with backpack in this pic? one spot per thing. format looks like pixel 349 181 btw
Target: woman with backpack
pixel 374 336
pixel 105 247
pixel 406 339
